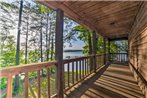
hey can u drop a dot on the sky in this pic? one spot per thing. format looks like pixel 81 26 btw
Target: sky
pixel 76 45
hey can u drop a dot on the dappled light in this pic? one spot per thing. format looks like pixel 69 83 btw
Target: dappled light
pixel 116 82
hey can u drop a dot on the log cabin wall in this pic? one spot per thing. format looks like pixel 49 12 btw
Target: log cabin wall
pixel 138 47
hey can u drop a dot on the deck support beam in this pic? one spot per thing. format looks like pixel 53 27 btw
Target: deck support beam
pixel 59 52
pixel 90 51
pixel 94 50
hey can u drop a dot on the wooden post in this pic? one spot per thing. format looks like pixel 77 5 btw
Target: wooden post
pixel 59 52
pixel 9 87
pixel 94 50
pixel 90 52
pixel 104 50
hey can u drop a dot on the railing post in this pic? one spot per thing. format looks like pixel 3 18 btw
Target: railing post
pixel 59 52
pixel 94 50
pixel 90 52
pixel 9 87
pixel 104 50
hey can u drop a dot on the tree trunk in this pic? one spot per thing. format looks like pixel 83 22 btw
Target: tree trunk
pixel 41 50
pixel 47 47
pixel 16 84
pixel 49 40
pixel 52 45
pixel 26 45
pixel 41 53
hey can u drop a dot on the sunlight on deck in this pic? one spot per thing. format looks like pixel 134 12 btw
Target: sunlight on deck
pixel 116 82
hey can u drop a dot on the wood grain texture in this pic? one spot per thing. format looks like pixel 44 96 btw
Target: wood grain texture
pixel 9 86
pixel 116 82
pixel 100 16
pixel 59 52
pixel 26 85
pixel 138 47
pixel 14 70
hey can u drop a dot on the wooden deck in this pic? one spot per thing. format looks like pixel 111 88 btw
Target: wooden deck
pixel 116 82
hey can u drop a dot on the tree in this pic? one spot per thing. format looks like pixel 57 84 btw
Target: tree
pixel 26 26
pixel 6 22
pixel 18 44
pixel 85 34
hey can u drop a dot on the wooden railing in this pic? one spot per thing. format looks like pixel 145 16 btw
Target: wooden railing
pixel 118 58
pixel 75 70
pixel 10 72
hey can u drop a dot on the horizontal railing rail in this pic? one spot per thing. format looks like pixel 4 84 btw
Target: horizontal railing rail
pixel 118 58
pixel 14 70
pixel 75 71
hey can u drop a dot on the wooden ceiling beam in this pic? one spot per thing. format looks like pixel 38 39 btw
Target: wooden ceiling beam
pixel 118 39
pixel 117 36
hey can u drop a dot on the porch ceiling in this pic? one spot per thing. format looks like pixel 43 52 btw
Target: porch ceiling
pixel 112 19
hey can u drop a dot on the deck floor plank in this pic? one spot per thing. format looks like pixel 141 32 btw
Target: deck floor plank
pixel 116 82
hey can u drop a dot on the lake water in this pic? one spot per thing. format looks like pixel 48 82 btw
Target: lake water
pixel 72 55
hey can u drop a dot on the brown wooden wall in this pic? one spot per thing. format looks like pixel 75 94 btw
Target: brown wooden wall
pixel 138 46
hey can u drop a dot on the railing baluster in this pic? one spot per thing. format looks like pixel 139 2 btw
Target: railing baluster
pixel 119 57
pixel 80 69
pixel 88 66
pixel 124 58
pixel 73 72
pixel 68 74
pixel 96 61
pixel 63 77
pixel 76 70
pixel 39 84
pixel 26 81
pixel 9 87
pixel 48 82
pixel 85 66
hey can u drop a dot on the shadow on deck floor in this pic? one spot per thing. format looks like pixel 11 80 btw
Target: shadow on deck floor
pixel 116 82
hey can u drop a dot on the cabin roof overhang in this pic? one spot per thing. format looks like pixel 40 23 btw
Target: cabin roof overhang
pixel 111 19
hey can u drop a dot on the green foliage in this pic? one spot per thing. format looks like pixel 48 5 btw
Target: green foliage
pixel 7 56
pixel 33 56
pixel 84 33
pixel 3 83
